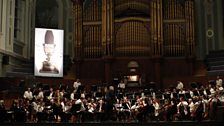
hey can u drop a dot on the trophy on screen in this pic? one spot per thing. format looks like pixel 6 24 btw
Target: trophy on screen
pixel 49 46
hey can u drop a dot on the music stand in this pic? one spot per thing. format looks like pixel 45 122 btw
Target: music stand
pixel 120 96
pixel 188 95
pixel 167 96
pixel 80 89
pixel 182 95
pixel 94 88
pixel 195 92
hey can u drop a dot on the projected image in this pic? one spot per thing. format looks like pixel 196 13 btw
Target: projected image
pixel 48 52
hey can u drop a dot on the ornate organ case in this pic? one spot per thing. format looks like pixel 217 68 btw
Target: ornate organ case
pixel 157 35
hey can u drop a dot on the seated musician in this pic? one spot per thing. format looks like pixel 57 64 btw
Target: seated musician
pixel 49 95
pixel 182 109
pixel 66 107
pixel 118 110
pixel 100 108
pixel 91 108
pixel 40 94
pixel 81 102
pixel 181 93
pixel 126 109
pixel 156 105
pixel 2 111
pixel 174 94
pixel 41 115
pixel 191 109
pixel 166 94
pixel 139 109
pixel 73 95
pixel 180 85
pixel 167 110
pixel 76 85
pixel 28 94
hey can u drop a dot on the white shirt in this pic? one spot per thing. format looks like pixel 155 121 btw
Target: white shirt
pixel 76 85
pixel 121 85
pixel 191 106
pixel 28 95
pixel 72 96
pixel 40 95
pixel 219 82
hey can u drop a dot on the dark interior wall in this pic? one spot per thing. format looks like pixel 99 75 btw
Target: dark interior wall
pixel 46 14
pixel 178 67
pixel 92 71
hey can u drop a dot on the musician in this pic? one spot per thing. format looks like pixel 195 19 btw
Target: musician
pixel 28 109
pixel 180 85
pixel 66 107
pixel 91 108
pixel 49 94
pixel 2 111
pixel 204 101
pixel 57 108
pixel 81 102
pixel 121 86
pixel 126 108
pixel 73 95
pixel 40 94
pixel 198 109
pixel 19 112
pixel 219 89
pixel 167 110
pixel 182 109
pixel 174 94
pixel 167 94
pixel 48 109
pixel 141 109
pixel 212 88
pixel 191 109
pixel 156 105
pixel 118 110
pixel 218 81
pixel 28 94
pixel 109 103
pixel 41 115
pixel 181 93
pixel 76 84
pixel 100 108
pixel 213 103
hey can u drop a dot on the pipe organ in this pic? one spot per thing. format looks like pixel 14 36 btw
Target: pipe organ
pixel 134 29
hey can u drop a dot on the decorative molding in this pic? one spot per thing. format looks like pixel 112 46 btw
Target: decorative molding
pixel 118 20
pixel 210 33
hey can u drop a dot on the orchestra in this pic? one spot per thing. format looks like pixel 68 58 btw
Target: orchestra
pixel 61 105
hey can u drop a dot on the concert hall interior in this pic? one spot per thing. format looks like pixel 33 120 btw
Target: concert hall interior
pixel 112 61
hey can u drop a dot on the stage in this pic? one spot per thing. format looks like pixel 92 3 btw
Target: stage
pixel 153 123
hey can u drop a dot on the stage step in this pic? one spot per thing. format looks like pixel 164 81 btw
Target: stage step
pixel 17 74
pixel 212 59
pixel 220 67
pixel 215 72
pixel 25 70
pixel 216 63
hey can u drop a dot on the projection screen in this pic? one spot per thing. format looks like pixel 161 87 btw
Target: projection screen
pixel 48 52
